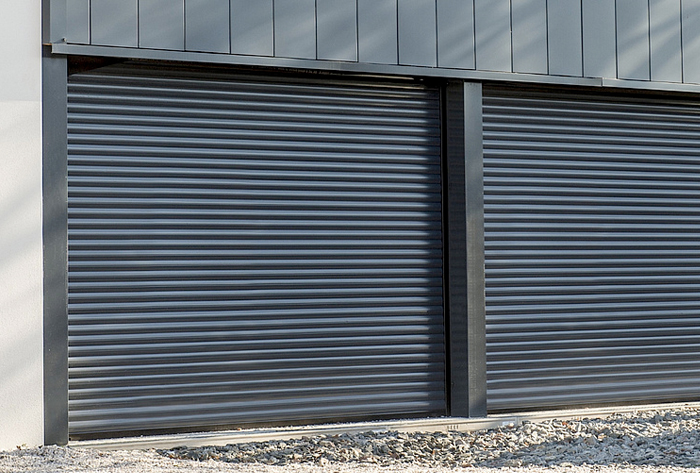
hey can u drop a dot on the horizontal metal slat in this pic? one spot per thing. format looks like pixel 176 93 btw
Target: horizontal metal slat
pixel 218 118
pixel 94 87
pixel 83 400
pixel 396 129
pixel 96 134
pixel 172 185
pixel 420 344
pixel 134 403
pixel 120 353
pixel 258 373
pixel 325 408
pixel 236 304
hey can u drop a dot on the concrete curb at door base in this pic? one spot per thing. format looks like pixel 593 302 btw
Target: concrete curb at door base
pixel 443 424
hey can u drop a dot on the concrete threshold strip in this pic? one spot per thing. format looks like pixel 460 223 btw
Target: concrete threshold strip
pixel 440 424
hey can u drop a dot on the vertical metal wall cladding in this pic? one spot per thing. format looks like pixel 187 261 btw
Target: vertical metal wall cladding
pixel 249 251
pixel 592 249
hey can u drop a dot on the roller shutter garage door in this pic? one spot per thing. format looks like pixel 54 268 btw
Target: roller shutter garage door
pixel 248 251
pixel 592 249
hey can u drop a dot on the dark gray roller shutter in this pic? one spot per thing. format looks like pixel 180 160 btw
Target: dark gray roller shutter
pixel 592 249
pixel 246 251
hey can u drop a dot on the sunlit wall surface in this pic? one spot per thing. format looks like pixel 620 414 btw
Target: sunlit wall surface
pixel 21 397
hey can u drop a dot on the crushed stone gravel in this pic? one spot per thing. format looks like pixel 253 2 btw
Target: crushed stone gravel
pixel 652 438
pixel 646 441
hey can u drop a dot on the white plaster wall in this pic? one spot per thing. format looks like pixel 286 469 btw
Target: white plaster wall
pixel 21 379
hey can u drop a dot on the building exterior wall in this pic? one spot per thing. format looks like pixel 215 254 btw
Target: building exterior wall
pixel 650 44
pixel 21 393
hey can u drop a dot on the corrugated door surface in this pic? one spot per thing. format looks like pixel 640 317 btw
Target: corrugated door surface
pixel 592 249
pixel 247 251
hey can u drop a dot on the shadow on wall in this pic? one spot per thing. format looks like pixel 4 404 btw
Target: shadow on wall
pixel 21 355
pixel 666 59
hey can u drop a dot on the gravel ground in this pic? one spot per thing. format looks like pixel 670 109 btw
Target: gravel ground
pixel 649 441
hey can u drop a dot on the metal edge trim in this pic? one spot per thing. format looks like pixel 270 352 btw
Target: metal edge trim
pixel 447 424
pixel 55 254
pixel 326 65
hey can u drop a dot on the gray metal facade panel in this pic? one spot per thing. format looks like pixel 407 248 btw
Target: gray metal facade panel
pixel 633 50
pixel 337 29
pixel 691 40
pixel 252 27
pixel 565 39
pixel 529 19
pixel 665 40
pixel 295 28
pixel 377 31
pixel 244 251
pixel 592 237
pixel 53 21
pixel 207 26
pixel 575 38
pixel 493 35
pixel 114 22
pixel 417 20
pixel 455 24
pixel 599 41
pixel 78 21
pixel 162 24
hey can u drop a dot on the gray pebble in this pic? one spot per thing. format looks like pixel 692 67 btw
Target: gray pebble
pixel 658 438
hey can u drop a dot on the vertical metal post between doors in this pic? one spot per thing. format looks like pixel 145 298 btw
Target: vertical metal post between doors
pixel 465 250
